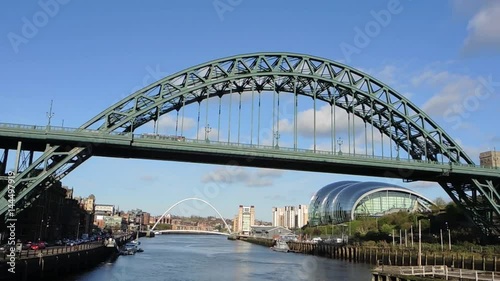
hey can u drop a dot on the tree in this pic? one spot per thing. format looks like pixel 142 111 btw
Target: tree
pixel 440 204
pixel 163 226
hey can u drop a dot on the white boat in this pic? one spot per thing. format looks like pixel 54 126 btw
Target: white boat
pixel 157 233
pixel 131 248
pixel 110 243
pixel 280 246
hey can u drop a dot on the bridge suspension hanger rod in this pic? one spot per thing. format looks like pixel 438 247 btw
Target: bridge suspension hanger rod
pixel 183 112
pixel 332 122
pixel 274 111
pixel 366 139
pixel 177 123
pixel 258 121
pixel 296 104
pixel 382 142
pixel 408 140
pixel 334 105
pixel 239 116
pixel 218 121
pixel 353 126
pixel 390 133
pixel 314 110
pixel 251 115
pixel 277 118
pixel 229 114
pixel 371 117
pixel 206 115
pixel 198 122
pixel 348 128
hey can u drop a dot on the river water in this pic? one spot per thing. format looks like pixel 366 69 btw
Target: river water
pixel 213 257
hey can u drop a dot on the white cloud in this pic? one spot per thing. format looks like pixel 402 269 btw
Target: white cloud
pixel 452 91
pixel 484 29
pixel 466 7
pixel 387 75
pixel 424 185
pixel 228 175
pixel 169 122
pixel 305 122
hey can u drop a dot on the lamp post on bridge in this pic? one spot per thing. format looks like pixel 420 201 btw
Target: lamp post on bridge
pixel 340 142
pixel 397 151
pixel 277 137
pixel 50 114
pixel 208 129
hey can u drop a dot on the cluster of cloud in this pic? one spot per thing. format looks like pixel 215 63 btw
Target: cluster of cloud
pixel 452 88
pixel 305 122
pixel 259 178
pixel 483 29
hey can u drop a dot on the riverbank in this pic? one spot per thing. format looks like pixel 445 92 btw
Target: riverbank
pixel 387 256
pixel 51 263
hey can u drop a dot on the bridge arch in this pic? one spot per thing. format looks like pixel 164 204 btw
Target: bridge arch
pixel 192 199
pixel 337 84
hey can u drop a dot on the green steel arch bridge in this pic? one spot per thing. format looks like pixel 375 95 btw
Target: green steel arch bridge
pixel 273 110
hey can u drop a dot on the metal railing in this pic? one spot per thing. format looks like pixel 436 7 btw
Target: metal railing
pixel 439 271
pixel 24 254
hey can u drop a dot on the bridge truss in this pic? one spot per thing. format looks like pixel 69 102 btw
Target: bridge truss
pixel 356 95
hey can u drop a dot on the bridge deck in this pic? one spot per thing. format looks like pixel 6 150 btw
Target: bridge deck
pixel 193 232
pixel 156 147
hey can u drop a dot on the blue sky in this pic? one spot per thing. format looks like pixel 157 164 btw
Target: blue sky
pixel 87 55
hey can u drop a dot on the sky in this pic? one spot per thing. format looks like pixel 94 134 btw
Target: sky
pixel 87 55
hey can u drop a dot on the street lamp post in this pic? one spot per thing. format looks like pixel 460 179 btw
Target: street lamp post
pixel 397 151
pixel 40 233
pixel 449 236
pixel 419 243
pixel 277 137
pixel 50 114
pixel 208 129
pixel 441 235
pixel 411 235
pixel 340 142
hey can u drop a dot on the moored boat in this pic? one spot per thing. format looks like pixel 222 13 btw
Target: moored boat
pixel 280 246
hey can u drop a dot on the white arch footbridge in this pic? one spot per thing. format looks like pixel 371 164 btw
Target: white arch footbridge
pixel 193 199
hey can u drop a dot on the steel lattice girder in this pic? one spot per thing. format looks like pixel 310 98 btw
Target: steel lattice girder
pixel 348 88
pixel 337 84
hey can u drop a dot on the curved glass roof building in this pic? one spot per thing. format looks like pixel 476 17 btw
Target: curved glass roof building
pixel 346 200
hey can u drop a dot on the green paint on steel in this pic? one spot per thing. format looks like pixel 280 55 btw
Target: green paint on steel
pixel 324 80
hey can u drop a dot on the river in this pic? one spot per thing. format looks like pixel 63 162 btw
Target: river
pixel 213 257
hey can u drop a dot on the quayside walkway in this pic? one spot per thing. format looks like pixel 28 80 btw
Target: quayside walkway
pixel 437 272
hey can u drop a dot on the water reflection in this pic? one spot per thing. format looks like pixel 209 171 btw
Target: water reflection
pixel 197 257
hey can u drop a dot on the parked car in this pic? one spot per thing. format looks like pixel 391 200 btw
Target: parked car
pixel 42 245
pixel 27 245
pixel 4 248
